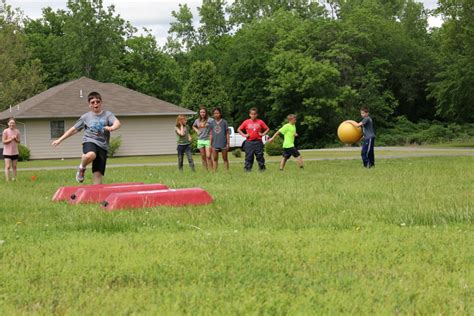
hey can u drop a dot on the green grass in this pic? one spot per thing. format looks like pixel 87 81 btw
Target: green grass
pixel 316 154
pixel 333 238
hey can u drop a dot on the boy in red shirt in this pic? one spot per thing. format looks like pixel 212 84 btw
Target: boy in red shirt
pixel 254 130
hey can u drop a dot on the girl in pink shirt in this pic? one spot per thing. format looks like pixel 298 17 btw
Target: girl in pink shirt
pixel 10 139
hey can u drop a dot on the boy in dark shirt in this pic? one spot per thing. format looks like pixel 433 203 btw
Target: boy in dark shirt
pixel 367 153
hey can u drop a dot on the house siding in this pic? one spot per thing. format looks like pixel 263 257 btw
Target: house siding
pixel 141 136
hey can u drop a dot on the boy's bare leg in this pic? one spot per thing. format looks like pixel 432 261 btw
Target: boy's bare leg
pixel 87 158
pixel 97 177
pixel 299 161
pixel 282 163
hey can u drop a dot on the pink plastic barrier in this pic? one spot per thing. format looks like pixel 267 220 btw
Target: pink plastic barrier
pixel 144 199
pixel 64 193
pixel 89 195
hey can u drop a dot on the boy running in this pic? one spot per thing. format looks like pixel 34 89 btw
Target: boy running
pixel 97 125
pixel 289 133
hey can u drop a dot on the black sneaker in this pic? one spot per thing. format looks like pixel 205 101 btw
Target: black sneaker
pixel 80 174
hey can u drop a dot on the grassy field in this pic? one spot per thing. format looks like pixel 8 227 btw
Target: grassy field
pixel 334 153
pixel 333 238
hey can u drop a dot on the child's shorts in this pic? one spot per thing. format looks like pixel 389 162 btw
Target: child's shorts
pixel 100 156
pixel 11 157
pixel 288 152
pixel 203 143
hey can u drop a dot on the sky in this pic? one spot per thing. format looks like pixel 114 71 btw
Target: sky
pixel 155 15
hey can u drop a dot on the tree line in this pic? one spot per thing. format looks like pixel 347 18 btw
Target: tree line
pixel 321 61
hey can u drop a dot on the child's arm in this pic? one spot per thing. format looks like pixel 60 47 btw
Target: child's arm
pixel 195 128
pixel 242 133
pixel 180 130
pixel 265 132
pixel 5 140
pixel 17 138
pixel 115 126
pixel 355 124
pixel 273 137
pixel 67 134
pixel 227 138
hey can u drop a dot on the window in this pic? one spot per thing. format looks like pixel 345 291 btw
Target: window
pixel 57 129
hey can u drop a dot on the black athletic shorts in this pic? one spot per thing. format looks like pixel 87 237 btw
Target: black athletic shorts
pixel 288 152
pixel 12 157
pixel 101 156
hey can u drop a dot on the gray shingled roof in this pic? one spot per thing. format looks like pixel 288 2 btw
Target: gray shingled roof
pixel 65 100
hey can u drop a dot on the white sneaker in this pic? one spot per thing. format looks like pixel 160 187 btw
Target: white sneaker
pixel 80 174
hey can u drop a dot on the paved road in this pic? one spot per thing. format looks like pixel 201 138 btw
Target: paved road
pixel 411 152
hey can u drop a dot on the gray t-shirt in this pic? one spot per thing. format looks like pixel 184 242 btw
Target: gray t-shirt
pixel 219 132
pixel 368 127
pixel 93 125
pixel 204 128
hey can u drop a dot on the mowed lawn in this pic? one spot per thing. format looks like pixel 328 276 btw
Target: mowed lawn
pixel 333 238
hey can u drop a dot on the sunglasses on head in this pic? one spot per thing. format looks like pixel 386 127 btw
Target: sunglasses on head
pixel 94 102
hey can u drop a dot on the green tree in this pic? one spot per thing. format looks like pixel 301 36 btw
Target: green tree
pixel 204 88
pixel 213 21
pixel 246 11
pixel 452 87
pixel 84 40
pixel 147 69
pixel 182 33
pixel 20 75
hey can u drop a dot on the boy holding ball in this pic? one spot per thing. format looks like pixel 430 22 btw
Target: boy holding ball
pixel 367 152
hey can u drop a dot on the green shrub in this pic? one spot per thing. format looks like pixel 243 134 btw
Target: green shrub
pixel 275 147
pixel 114 146
pixel 194 141
pixel 434 134
pixel 237 152
pixel 24 153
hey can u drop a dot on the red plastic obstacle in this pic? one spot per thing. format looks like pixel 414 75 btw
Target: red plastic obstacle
pixel 88 195
pixel 142 199
pixel 64 193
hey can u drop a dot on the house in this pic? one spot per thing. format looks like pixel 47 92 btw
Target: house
pixel 147 122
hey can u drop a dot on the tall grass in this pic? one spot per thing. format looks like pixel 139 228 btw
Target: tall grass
pixel 333 238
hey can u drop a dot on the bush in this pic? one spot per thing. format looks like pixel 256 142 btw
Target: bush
pixel 24 153
pixel 275 147
pixel 194 142
pixel 237 152
pixel 114 146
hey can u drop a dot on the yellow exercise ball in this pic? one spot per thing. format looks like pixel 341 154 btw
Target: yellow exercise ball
pixel 348 133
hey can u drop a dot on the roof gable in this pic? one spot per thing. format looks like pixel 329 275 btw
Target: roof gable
pixel 70 100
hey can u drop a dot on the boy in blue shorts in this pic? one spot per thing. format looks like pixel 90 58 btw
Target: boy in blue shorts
pixel 289 133
pixel 97 125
